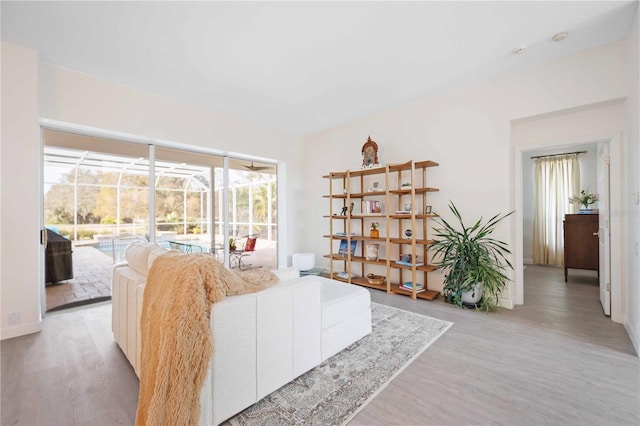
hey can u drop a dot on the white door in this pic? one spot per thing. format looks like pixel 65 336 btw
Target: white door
pixel 604 234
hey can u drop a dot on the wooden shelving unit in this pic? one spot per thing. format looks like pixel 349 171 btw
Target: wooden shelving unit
pixel 358 187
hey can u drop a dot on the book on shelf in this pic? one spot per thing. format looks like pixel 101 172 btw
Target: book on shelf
pixel 344 234
pixel 402 262
pixel 345 275
pixel 343 247
pixel 408 285
pixel 371 207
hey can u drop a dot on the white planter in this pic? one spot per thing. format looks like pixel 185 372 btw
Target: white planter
pixel 303 261
pixel 473 296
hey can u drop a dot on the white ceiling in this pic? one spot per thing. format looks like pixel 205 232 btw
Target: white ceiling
pixel 307 66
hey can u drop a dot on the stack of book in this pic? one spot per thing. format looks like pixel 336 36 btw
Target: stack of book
pixel 371 207
pixel 408 285
pixel 404 263
pixel 345 275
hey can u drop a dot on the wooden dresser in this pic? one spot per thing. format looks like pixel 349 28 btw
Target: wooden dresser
pixel 581 246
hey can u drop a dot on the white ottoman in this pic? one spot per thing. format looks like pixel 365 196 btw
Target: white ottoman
pixel 346 315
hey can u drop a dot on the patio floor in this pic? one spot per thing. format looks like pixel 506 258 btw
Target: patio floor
pixel 92 269
pixel 91 280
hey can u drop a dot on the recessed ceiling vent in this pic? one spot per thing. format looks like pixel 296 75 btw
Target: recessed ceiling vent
pixel 519 50
pixel 560 36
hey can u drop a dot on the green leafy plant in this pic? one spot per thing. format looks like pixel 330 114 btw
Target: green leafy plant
pixel 85 234
pixel 471 255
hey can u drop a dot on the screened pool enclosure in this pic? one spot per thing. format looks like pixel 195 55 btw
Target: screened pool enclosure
pixel 111 193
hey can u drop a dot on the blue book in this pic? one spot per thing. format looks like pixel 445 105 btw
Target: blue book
pixel 409 286
pixel 343 247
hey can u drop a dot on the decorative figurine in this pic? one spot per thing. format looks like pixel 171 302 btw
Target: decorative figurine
pixel 408 233
pixel 369 154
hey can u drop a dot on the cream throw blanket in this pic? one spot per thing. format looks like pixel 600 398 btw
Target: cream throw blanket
pixel 176 334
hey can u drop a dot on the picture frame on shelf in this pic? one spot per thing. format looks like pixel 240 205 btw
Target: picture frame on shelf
pixel 375 187
pixel 344 244
pixel 427 210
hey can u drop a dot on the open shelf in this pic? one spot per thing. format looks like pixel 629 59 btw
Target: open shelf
pixel 427 294
pixel 424 268
pixel 408 241
pixel 356 187
pixel 408 191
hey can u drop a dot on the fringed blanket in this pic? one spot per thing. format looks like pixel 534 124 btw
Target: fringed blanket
pixel 176 334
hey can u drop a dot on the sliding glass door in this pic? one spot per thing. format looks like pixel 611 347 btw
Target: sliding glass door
pixel 98 192
pixel 183 183
pixel 251 209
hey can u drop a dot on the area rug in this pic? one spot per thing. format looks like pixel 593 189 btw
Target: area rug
pixel 334 392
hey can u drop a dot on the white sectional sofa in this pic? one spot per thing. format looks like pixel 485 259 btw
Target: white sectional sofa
pixel 262 340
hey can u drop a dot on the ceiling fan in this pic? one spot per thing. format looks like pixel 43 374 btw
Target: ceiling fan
pixel 256 168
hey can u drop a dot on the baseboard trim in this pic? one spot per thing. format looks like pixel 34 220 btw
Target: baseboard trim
pixel 506 303
pixel 528 261
pixel 633 335
pixel 20 330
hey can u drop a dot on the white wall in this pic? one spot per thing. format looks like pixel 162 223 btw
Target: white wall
pixel 558 129
pixel 31 89
pixel 468 132
pixel 632 189
pixel 19 279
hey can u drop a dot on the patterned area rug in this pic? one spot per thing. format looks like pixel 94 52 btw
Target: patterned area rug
pixel 333 392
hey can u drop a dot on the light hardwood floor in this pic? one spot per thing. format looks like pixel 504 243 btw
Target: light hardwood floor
pixel 556 360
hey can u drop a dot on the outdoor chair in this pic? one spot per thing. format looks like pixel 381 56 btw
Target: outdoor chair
pixel 184 247
pixel 236 256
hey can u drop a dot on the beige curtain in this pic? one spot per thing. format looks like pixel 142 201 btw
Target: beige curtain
pixel 557 178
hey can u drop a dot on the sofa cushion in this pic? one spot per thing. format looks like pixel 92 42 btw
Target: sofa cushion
pixel 341 301
pixel 154 252
pixel 287 274
pixel 137 255
pixel 140 256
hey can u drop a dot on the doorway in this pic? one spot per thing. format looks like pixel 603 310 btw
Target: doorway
pixel 552 230
pixel 614 226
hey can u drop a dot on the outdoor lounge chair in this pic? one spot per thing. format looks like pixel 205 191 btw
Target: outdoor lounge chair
pixel 236 256
pixel 184 247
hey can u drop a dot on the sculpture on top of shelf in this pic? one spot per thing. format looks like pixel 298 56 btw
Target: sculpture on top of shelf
pixel 343 212
pixel 370 154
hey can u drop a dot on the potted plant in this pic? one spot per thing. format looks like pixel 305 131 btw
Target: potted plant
pixel 475 261
pixel 584 199
pixel 374 233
